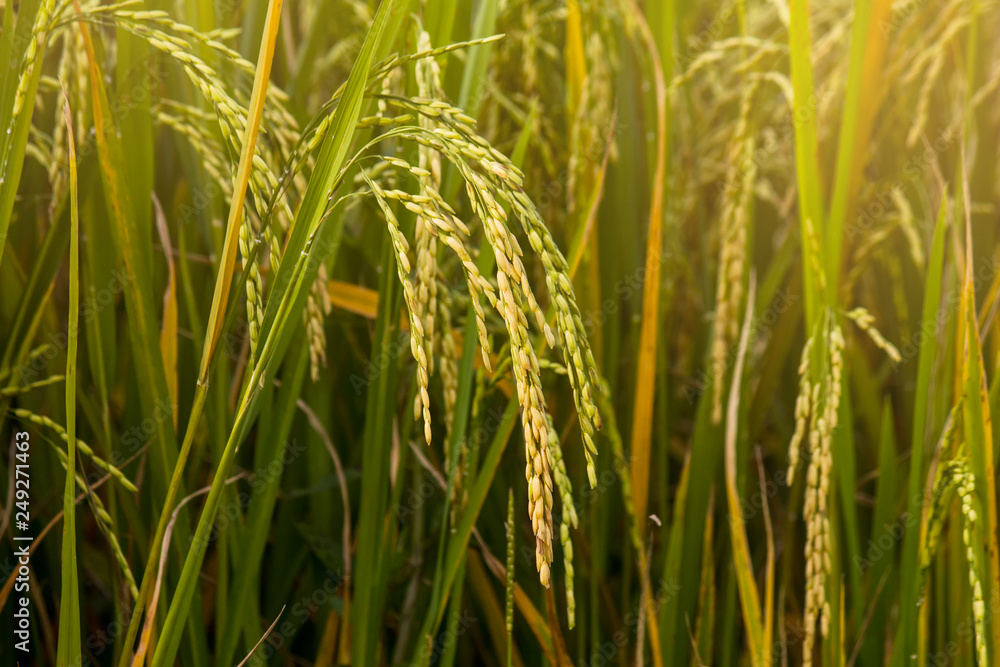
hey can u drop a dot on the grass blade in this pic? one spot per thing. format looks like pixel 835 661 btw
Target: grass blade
pixel 170 636
pixel 19 90
pixel 806 147
pixel 979 440
pixel 221 296
pixel 749 596
pixel 642 416
pixel 904 645
pixel 70 646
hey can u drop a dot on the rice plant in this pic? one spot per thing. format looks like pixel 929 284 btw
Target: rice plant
pixel 500 332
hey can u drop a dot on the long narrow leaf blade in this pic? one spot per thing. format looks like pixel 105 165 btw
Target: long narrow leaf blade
pixel 70 647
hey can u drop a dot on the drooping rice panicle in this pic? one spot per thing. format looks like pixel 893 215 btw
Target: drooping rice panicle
pixel 84 448
pixel 56 166
pixel 942 493
pixel 575 344
pixel 318 307
pixel 158 24
pixel 970 511
pixel 418 341
pixel 737 195
pixel 428 84
pixel 32 56
pixel 803 410
pixel 264 186
pixel 526 373
pixel 230 115
pixel 865 321
pixel 569 517
pixel 17 390
pixel 534 424
pixel 907 224
pixel 207 148
pixel 823 422
pixel 452 232
pixel 954 481
pixel 924 100
pixel 719 50
pixel 104 522
pixel 254 285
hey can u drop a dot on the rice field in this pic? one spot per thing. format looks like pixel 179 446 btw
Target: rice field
pixel 499 332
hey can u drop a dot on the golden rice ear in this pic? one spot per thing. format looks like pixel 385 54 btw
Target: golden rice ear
pixel 971 536
pixel 866 322
pixel 803 405
pixel 569 517
pixel 737 200
pixel 823 418
pixel 418 338
pixel 443 131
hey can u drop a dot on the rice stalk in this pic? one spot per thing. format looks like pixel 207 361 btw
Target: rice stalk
pixel 69 644
pixel 509 586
